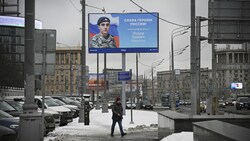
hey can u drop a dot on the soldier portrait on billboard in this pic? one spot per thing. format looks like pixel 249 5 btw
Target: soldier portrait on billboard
pixel 103 39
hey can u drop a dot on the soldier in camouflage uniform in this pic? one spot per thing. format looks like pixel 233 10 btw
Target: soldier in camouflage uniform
pixel 103 39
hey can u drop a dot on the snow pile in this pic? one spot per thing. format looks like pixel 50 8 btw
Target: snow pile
pixel 183 136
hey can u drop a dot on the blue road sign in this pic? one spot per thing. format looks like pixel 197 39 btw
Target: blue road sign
pixel 124 76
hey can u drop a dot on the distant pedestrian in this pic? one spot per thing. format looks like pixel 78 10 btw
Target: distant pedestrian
pixel 117 116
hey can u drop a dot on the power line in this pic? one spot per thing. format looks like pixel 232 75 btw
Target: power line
pixel 143 64
pixel 74 6
pixel 158 16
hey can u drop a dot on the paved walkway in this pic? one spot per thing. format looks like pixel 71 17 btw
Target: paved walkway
pixel 131 136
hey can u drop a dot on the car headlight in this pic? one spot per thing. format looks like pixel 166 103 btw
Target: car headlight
pixel 241 103
pixel 13 126
pixel 143 105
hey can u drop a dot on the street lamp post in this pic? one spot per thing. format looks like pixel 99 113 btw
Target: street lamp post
pixel 83 66
pixel 181 32
pixel 154 65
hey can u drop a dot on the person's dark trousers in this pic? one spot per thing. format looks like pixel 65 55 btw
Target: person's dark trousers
pixel 113 127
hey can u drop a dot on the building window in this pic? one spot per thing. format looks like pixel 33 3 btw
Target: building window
pixel 246 58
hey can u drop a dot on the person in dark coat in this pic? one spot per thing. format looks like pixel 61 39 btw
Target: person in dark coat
pixel 117 111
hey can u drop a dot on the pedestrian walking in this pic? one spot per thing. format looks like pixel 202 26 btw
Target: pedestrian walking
pixel 117 111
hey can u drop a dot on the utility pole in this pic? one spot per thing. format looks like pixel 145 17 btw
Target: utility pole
pixel 83 67
pixel 104 103
pixel 193 52
pixel 71 73
pixel 152 74
pixel 97 91
pixel 137 85
pixel 30 119
pixel 213 98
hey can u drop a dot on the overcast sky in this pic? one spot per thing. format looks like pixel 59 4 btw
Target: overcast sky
pixel 65 17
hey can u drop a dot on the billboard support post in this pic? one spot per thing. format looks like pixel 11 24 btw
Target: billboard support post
pixel 131 108
pixel 97 91
pixel 104 103
pixel 123 83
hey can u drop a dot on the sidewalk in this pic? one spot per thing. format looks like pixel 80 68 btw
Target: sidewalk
pixel 144 128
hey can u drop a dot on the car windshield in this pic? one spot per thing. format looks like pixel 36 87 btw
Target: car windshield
pixel 4 115
pixel 59 102
pixel 4 106
pixel 146 102
pixel 17 105
pixel 67 100
pixel 50 102
pixel 244 100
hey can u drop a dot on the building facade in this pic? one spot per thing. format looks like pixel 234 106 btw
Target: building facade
pixel 67 77
pixel 233 66
pixel 183 80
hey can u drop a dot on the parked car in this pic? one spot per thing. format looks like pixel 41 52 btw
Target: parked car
pixel 20 99
pixel 146 105
pixel 68 101
pixel 49 121
pixel 65 113
pixel 128 105
pixel 110 104
pixel 4 106
pixel 230 102
pixel 75 110
pixel 242 102
pixel 7 134
pixel 221 103
pixel 187 103
pixel 8 127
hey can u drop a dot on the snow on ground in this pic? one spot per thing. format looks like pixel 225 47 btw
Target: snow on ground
pixel 183 136
pixel 100 124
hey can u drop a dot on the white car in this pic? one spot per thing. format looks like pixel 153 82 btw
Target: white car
pixel 65 113
pixel 128 105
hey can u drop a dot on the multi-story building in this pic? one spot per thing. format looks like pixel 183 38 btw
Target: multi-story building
pixel 183 80
pixel 233 65
pixel 67 77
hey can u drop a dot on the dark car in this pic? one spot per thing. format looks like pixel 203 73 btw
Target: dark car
pixel 4 106
pixel 68 101
pixel 129 105
pixel 230 102
pixel 49 121
pixel 221 103
pixel 8 126
pixel 75 110
pixel 242 102
pixel 7 134
pixel 146 105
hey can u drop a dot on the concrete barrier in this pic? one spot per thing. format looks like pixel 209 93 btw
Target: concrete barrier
pixel 173 122
pixel 215 130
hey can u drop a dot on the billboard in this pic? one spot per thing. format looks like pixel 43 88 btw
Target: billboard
pixel 123 33
pixel 92 83
pixel 237 86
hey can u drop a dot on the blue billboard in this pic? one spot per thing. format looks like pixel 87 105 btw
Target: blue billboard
pixel 123 33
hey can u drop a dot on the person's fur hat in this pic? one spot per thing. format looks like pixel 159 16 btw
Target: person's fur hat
pixel 117 99
pixel 103 19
